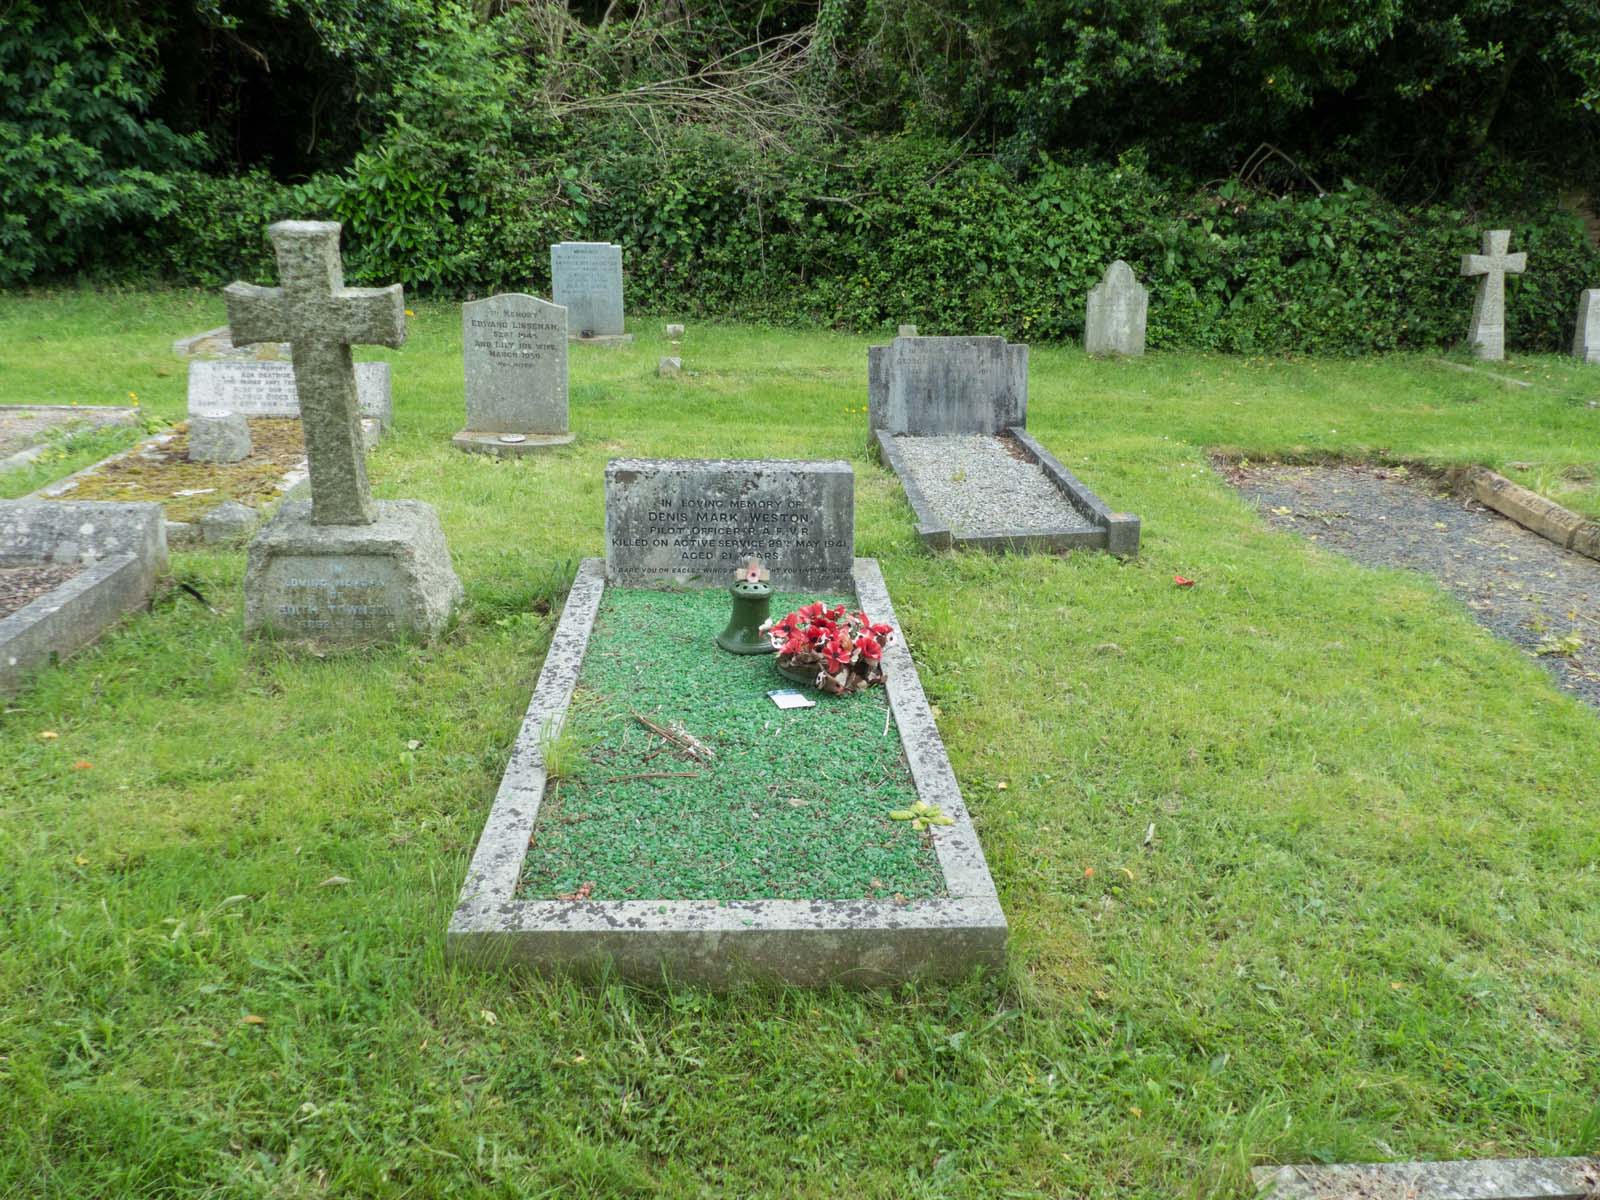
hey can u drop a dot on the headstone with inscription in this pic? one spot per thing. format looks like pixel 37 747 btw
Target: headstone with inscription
pixel 1488 331
pixel 1586 338
pixel 690 522
pixel 947 385
pixel 340 568
pixel 1118 306
pixel 266 389
pixel 586 280
pixel 514 348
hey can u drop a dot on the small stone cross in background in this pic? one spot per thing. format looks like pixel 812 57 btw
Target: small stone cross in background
pixel 321 319
pixel 1488 333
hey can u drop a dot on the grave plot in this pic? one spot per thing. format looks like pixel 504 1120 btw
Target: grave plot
pixel 67 571
pixel 160 471
pixel 661 817
pixel 27 429
pixel 1481 1179
pixel 1524 588
pixel 948 416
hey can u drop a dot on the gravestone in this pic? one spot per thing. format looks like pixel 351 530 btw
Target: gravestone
pixel 1118 305
pixel 220 437
pixel 514 351
pixel 266 389
pixel 906 331
pixel 1586 338
pixel 669 365
pixel 586 279
pixel 674 332
pixel 947 385
pixel 690 522
pixel 1488 331
pixel 339 568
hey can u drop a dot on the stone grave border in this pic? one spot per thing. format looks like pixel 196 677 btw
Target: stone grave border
pixel 1503 380
pixel 855 943
pixel 107 414
pixel 178 533
pixel 1551 521
pixel 1117 532
pixel 1468 1179
pixel 74 614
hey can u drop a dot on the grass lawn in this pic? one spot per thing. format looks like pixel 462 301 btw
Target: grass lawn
pixel 1365 925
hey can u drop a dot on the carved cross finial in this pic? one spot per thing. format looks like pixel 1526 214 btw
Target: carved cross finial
pixel 321 319
pixel 1488 331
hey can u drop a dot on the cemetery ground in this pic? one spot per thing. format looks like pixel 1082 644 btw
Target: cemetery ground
pixel 1300 862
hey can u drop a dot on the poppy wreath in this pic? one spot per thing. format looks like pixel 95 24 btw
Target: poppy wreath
pixel 845 649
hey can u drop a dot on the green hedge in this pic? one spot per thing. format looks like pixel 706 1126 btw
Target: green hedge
pixel 891 231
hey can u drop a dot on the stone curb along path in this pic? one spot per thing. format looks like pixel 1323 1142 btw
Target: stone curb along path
pixel 1567 529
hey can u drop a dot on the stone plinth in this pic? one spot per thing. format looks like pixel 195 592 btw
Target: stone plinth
pixel 222 437
pixel 691 522
pixel 343 584
pixel 947 385
pixel 1118 306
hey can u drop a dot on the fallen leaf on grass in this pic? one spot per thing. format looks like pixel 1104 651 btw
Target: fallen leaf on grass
pixel 83 764
pixel 1182 582
pixel 414 744
pixel 488 1016
pixel 334 881
pixel 582 893
pixel 81 861
pixel 48 735
pixel 252 1019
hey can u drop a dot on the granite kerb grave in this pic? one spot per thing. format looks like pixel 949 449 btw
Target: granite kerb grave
pixel 514 358
pixel 586 280
pixel 67 572
pixel 340 568
pixel 673 526
pixel 948 415
pixel 29 431
pixel 1464 1179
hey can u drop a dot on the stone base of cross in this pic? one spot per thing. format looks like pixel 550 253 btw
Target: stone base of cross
pixel 342 568
pixel 1488 331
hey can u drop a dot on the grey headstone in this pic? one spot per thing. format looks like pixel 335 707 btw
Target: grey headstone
pixel 947 385
pixel 586 278
pixel 671 365
pixel 1118 305
pixel 340 584
pixel 514 348
pixel 690 522
pixel 266 389
pixel 907 331
pixel 1488 331
pixel 228 522
pixel 1586 338
pixel 674 331
pixel 218 437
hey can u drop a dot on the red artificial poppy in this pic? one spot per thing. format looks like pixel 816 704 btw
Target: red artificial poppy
pixel 868 645
pixel 1182 582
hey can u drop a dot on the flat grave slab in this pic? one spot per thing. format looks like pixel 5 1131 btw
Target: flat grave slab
pixel 158 471
pixel 26 429
pixel 67 572
pixel 948 416
pixel 1469 1179
pixel 1521 586
pixel 1001 493
pixel 755 856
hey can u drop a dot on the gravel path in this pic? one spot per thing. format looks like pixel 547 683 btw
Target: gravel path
pixel 981 485
pixel 20 586
pixel 1522 587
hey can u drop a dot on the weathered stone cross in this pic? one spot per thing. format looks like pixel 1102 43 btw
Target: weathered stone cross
pixel 321 319
pixel 1488 332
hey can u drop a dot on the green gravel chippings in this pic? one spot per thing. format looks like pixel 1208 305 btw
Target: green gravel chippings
pixel 794 806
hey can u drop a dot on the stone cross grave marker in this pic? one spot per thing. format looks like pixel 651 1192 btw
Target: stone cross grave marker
pixel 934 386
pixel 1118 305
pixel 586 279
pixel 341 569
pixel 321 319
pixel 1488 332
pixel 1586 338
pixel 514 353
pixel 691 522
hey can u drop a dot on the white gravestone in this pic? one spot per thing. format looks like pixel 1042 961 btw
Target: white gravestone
pixel 267 389
pixel 1118 305
pixel 514 352
pixel 1488 332
pixel 586 280
pixel 1586 338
